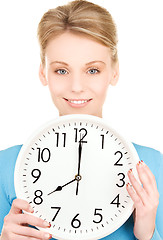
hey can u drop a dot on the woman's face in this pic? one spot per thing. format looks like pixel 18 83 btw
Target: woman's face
pixel 78 72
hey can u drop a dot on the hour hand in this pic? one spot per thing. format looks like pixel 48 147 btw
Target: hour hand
pixel 59 188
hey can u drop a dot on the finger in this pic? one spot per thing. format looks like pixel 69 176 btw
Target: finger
pixel 141 193
pixel 136 199
pixel 22 219
pixel 20 237
pixel 31 232
pixel 149 172
pixel 146 177
pixel 18 205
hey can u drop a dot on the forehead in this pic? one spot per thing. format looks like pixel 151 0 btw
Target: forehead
pixel 71 47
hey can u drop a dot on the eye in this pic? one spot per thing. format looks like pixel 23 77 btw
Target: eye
pixel 61 71
pixel 93 71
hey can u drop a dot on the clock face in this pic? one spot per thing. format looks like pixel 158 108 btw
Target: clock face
pixel 73 172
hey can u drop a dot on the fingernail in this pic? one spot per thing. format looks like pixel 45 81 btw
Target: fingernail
pixel 31 209
pixel 47 224
pixel 48 236
pixel 130 171
pixel 129 185
pixel 140 163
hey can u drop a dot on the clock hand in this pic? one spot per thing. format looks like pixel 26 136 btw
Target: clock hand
pixel 80 151
pixel 79 177
pixel 59 188
pixel 77 187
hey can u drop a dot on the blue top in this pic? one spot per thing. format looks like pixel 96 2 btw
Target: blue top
pixel 153 158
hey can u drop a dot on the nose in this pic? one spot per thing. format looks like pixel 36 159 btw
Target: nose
pixel 77 83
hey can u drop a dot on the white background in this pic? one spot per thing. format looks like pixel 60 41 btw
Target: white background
pixel 133 107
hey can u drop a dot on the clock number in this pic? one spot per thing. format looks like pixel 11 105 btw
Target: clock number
pixel 36 173
pixel 59 208
pixel 75 223
pixel 38 199
pixel 121 155
pixel 102 135
pixel 98 214
pixel 122 179
pixel 44 155
pixel 83 132
pixel 116 201
pixel 64 139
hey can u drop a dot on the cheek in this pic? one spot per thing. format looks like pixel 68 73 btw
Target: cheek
pixel 100 87
pixel 55 87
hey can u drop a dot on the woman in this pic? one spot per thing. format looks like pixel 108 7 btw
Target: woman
pixel 79 61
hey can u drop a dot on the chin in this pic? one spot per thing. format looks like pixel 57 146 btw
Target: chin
pixel 80 112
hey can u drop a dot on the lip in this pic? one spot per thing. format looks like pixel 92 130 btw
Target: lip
pixel 77 103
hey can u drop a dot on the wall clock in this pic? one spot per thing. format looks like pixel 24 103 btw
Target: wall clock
pixel 73 172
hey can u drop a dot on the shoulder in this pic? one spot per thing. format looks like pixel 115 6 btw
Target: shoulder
pixel 8 159
pixel 10 152
pixel 153 158
pixel 148 153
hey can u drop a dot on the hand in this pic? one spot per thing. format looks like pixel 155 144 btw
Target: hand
pixel 16 223
pixel 146 200
pixel 79 161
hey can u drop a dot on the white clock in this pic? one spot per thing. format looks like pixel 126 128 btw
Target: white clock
pixel 73 172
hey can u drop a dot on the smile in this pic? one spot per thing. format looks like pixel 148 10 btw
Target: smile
pixel 78 102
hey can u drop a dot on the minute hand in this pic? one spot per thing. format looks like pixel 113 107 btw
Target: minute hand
pixel 79 161
pixel 80 152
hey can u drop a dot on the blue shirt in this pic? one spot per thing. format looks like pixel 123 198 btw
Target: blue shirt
pixel 153 158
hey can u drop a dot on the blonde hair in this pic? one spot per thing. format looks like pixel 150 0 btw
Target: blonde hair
pixel 79 17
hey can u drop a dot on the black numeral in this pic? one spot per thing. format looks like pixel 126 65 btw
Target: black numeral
pixel 83 133
pixel 102 135
pixel 58 209
pixel 75 223
pixel 121 179
pixel 64 139
pixel 121 155
pixel 44 154
pixel 38 199
pixel 98 214
pixel 36 173
pixel 116 201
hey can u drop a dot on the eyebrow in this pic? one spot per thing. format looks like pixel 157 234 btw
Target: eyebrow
pixel 85 64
